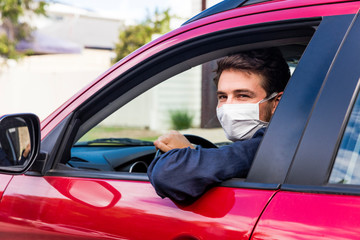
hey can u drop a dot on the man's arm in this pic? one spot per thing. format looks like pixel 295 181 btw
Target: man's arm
pixel 184 174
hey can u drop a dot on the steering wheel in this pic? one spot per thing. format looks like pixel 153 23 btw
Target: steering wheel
pixel 195 140
pixel 200 141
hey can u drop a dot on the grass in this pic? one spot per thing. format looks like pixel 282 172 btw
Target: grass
pixel 120 132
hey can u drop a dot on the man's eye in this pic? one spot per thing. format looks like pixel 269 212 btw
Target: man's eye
pixel 242 96
pixel 222 97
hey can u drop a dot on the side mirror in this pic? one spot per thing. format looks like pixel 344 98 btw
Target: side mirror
pixel 19 142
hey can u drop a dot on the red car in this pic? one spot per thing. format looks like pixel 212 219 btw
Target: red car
pixel 305 179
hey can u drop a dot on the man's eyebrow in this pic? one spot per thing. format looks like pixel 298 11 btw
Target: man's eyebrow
pixel 239 91
pixel 244 91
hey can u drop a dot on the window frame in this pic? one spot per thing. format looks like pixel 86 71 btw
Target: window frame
pixel 123 84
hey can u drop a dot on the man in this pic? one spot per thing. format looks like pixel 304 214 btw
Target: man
pixel 249 87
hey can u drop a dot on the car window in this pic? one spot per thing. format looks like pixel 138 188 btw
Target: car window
pixel 173 104
pixel 116 128
pixel 125 138
pixel 123 141
pixel 346 169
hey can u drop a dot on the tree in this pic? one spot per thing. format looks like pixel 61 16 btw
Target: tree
pixel 13 27
pixel 135 36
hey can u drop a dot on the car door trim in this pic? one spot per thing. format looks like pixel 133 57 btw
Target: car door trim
pixel 342 189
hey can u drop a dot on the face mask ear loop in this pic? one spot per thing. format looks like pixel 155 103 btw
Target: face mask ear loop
pixel 274 94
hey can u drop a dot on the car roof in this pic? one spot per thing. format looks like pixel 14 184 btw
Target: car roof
pixel 227 5
pixel 222 7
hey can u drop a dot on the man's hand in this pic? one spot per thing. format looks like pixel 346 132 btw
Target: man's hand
pixel 172 140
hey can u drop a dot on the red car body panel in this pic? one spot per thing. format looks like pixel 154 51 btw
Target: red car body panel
pixel 113 209
pixel 251 15
pixel 292 215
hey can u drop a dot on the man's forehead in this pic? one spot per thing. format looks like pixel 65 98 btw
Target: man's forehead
pixel 242 80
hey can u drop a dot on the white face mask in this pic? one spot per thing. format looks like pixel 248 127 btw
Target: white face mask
pixel 241 121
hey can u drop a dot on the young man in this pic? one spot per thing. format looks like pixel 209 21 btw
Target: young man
pixel 249 87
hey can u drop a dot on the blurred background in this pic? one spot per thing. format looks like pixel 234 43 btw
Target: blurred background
pixel 52 49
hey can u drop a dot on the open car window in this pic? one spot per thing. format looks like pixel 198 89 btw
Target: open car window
pixel 123 141
pixel 115 130
pixel 129 132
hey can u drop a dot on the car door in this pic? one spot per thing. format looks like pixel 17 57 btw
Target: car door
pixel 58 200
pixel 320 197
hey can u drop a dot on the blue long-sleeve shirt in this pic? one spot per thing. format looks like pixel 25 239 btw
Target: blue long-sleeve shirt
pixel 185 174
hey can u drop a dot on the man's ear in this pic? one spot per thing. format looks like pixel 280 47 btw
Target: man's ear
pixel 276 102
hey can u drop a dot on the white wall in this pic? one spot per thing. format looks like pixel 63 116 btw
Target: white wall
pixel 182 92
pixel 40 84
pixel 152 109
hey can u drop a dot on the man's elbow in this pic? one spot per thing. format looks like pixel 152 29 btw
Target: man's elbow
pixel 159 181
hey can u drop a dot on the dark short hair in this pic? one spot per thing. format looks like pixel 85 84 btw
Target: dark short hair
pixel 268 62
